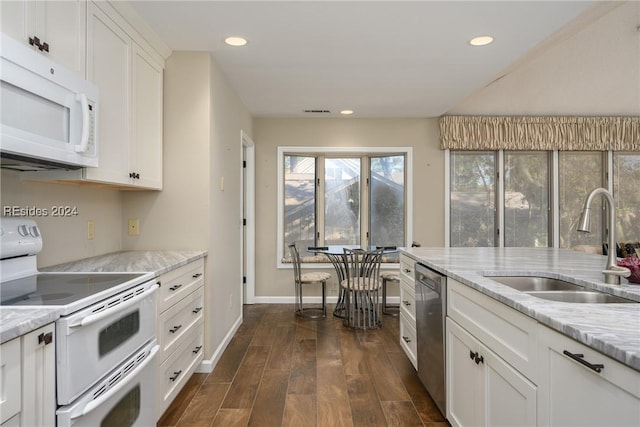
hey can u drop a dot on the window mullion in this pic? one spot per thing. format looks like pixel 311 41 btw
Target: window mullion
pixel 500 200
pixel 365 197
pixel 320 186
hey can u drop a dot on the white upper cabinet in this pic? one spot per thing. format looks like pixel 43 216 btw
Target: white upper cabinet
pixel 55 28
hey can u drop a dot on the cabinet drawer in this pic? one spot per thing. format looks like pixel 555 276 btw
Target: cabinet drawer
pixel 10 380
pixel 510 334
pixel 177 369
pixel 408 339
pixel 408 301
pixel 180 282
pixel 179 321
pixel 406 268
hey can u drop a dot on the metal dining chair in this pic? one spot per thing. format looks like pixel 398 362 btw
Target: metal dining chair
pixel 362 285
pixel 304 279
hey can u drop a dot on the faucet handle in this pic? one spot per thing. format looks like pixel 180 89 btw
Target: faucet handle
pixel 618 271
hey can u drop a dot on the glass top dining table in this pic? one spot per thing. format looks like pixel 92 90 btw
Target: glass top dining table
pixel 335 253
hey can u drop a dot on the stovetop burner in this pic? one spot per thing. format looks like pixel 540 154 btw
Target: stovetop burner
pixel 59 289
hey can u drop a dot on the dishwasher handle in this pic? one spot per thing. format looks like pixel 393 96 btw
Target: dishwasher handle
pixel 429 278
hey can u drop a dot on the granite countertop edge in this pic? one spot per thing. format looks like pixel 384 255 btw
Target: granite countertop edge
pixel 611 329
pixel 17 321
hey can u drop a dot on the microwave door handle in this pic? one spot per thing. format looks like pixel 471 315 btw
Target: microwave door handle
pixel 92 318
pixel 84 137
pixel 97 402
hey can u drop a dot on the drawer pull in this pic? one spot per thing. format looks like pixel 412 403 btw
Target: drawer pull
pixel 175 329
pixel 476 357
pixel 407 303
pixel 406 339
pixel 406 270
pixel 580 359
pixel 195 276
pixel 175 287
pixel 197 310
pixel 197 349
pixel 176 374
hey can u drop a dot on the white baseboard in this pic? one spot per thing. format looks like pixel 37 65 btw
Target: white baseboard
pixel 312 300
pixel 207 365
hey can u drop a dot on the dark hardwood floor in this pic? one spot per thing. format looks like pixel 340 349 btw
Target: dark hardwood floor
pixel 279 370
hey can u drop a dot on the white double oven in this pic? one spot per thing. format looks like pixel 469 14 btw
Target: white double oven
pixel 105 338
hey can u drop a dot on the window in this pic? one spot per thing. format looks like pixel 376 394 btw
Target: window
pixel 526 181
pixel 472 199
pixel 526 199
pixel 579 173
pixel 626 192
pixel 340 196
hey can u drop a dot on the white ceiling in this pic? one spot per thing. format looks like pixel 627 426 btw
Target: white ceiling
pixel 379 58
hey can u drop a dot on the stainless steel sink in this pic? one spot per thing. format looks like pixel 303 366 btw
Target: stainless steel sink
pixel 534 283
pixel 579 297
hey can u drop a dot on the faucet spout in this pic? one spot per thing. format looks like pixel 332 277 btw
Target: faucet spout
pixel 612 272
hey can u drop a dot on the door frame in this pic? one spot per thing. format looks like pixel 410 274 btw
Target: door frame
pixel 247 209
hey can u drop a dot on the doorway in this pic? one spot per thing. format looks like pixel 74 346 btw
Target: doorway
pixel 247 189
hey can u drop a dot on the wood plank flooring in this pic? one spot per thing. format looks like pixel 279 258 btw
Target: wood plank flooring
pixel 279 370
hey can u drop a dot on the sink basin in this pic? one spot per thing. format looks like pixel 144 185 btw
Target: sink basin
pixel 579 297
pixel 534 283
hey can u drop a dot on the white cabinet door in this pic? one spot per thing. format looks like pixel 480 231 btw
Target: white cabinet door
pixel 146 144
pixel 59 24
pixel 10 368
pixel 464 379
pixel 38 378
pixel 108 66
pixel 574 394
pixel 482 389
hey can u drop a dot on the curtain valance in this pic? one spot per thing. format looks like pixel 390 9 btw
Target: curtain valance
pixel 540 133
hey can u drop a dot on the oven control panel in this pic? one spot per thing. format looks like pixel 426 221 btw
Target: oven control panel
pixel 19 237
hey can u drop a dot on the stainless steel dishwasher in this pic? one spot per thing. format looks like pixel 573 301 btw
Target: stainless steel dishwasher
pixel 431 309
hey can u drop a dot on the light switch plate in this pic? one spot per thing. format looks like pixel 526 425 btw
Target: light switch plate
pixel 90 230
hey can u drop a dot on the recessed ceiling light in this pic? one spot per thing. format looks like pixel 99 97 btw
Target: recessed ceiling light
pixel 481 41
pixel 346 112
pixel 235 41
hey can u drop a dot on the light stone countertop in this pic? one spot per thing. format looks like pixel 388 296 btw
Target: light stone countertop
pixel 612 329
pixel 16 321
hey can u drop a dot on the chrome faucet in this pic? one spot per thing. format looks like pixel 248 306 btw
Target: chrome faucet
pixel 612 272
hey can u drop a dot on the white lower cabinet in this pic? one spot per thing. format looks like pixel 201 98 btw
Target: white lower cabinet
pixel 408 340
pixel 27 379
pixel 482 389
pixel 574 393
pixel 180 329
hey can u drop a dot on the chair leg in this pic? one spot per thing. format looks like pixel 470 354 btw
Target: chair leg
pixel 386 308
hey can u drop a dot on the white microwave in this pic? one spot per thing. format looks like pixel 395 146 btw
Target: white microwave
pixel 48 115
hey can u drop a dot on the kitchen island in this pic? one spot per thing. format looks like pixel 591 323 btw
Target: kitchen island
pixel 516 359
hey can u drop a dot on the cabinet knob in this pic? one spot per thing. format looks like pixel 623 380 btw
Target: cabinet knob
pixel 406 270
pixel 195 276
pixel 175 329
pixel 175 287
pixel 197 349
pixel 407 303
pixel 197 310
pixel 406 339
pixel 45 338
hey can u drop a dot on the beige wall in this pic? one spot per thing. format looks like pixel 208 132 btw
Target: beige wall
pixel 428 179
pixel 203 118
pixel 594 71
pixel 65 238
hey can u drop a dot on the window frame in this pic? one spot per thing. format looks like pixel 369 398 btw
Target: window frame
pixel 336 152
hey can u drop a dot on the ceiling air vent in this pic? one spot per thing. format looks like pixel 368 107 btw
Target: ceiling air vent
pixel 317 111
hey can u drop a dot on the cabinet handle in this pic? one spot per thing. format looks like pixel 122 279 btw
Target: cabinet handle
pixel 472 355
pixel 580 359
pixel 195 276
pixel 197 349
pixel 45 338
pixel 406 270
pixel 44 47
pixel 175 329
pixel 476 357
pixel 176 374
pixel 197 310
pixel 175 287
pixel 407 303
pixel 406 339
pixel 134 175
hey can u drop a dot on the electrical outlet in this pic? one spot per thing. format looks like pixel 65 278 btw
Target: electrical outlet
pixel 134 227
pixel 90 230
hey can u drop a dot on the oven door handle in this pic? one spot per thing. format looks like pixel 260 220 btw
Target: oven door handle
pixel 92 318
pixel 129 378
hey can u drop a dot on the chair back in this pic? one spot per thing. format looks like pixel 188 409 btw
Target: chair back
pixel 295 260
pixel 362 268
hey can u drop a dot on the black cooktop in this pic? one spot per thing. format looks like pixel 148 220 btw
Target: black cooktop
pixel 59 289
